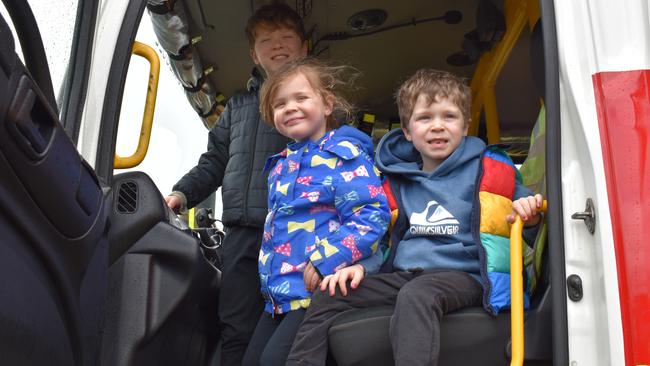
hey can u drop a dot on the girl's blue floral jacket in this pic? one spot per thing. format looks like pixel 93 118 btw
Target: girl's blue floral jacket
pixel 326 206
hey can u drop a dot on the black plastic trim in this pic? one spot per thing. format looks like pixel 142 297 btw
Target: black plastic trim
pixel 554 185
pixel 115 89
pixel 75 85
pixel 31 44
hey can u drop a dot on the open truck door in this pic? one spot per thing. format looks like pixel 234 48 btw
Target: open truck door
pixel 53 217
pixel 95 268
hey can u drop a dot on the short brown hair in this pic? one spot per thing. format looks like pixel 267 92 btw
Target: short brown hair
pixel 275 15
pixel 433 84
pixel 325 79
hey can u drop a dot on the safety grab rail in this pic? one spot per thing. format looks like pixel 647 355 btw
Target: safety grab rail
pixel 142 50
pixel 517 290
pixel 517 14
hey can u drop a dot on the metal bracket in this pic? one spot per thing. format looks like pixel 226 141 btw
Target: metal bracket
pixel 588 216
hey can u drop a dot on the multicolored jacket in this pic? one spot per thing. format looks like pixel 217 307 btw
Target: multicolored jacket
pixel 326 206
pixel 454 217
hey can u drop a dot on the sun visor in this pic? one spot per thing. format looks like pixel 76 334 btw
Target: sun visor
pixel 170 24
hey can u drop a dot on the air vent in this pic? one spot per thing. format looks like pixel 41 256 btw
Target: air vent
pixel 127 198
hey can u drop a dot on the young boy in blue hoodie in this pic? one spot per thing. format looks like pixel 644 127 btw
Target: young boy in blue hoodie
pixel 442 179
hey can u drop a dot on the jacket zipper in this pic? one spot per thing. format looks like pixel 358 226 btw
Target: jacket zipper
pixel 250 170
pixel 476 218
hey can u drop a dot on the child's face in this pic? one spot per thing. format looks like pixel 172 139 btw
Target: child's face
pixel 299 112
pixel 275 47
pixel 436 129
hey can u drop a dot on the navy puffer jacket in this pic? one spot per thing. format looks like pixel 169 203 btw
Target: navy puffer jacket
pixel 238 146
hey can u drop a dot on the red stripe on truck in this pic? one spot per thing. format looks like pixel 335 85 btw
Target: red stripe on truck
pixel 623 104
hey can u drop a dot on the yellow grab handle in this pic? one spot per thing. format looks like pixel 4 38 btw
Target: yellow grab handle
pixel 517 291
pixel 150 55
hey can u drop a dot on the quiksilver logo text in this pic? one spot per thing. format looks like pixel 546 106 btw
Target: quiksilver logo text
pixel 433 220
pixel 434 230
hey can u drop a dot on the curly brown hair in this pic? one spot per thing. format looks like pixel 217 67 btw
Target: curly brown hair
pixel 325 79
pixel 433 84
pixel 274 15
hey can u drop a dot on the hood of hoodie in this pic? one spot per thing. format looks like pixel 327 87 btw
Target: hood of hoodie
pixel 438 206
pixel 347 133
pixel 332 142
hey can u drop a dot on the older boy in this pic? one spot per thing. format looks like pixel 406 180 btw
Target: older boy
pixel 434 259
pixel 238 146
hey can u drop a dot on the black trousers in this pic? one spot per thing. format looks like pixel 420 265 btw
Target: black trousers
pixel 240 300
pixel 273 338
pixel 420 300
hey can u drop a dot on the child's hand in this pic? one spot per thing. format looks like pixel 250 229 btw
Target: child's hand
pixel 527 208
pixel 311 277
pixel 354 273
pixel 174 202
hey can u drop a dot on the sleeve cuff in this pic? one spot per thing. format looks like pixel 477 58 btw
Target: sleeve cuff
pixel 372 264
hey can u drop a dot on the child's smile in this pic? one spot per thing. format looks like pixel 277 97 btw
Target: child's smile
pixel 438 143
pixel 299 112
pixel 275 47
pixel 436 129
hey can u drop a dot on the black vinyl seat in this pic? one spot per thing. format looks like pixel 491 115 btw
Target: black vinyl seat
pixel 468 336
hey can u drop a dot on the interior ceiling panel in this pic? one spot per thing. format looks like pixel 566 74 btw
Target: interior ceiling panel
pixel 384 59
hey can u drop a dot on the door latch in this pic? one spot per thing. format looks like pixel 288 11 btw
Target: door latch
pixel 574 287
pixel 588 216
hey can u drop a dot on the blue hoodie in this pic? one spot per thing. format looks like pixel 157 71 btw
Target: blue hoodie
pixel 438 205
pixel 326 207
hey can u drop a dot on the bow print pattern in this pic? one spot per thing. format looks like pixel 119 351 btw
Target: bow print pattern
pixel 311 196
pixel 358 172
pixel 284 249
pixel 350 196
pixel 320 214
pixel 362 229
pixel 304 180
pixel 350 243
pixel 376 191
pixel 307 226
pixel 293 166
pixel 318 160
pixel 288 268
pixel 286 209
pixel 322 208
pixel 333 225
pixel 277 170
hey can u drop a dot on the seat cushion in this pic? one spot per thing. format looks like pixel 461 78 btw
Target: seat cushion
pixel 468 336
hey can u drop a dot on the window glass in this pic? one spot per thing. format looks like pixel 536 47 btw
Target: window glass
pixel 56 21
pixel 178 136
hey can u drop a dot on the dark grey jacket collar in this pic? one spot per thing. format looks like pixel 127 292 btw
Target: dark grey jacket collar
pixel 255 81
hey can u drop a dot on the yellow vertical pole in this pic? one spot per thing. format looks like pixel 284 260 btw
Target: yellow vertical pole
pixel 517 290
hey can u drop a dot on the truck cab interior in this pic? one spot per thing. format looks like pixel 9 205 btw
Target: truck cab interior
pixel 95 269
